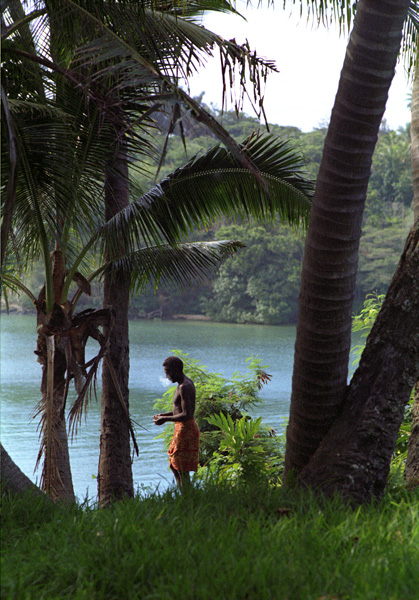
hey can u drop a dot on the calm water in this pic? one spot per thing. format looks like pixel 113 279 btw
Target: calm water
pixel 222 347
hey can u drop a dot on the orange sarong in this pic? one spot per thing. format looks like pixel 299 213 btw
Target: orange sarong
pixel 184 447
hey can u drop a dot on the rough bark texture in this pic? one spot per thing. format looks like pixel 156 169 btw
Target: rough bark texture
pixel 412 461
pixel 414 135
pixel 354 458
pixel 332 243
pixel 13 480
pixel 115 465
pixel 56 471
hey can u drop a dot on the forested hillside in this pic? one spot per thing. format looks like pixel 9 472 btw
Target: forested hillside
pixel 261 283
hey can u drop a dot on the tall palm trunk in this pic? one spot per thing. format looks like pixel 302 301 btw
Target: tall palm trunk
pixel 56 474
pixel 414 134
pixel 115 466
pixel 331 249
pixel 354 457
pixel 412 461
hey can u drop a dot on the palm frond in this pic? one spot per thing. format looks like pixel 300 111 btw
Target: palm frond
pixel 51 155
pixel 8 206
pixel 89 321
pixel 81 403
pixel 180 265
pixel 409 47
pixel 137 65
pixel 9 282
pixel 93 110
pixel 212 186
pixel 326 12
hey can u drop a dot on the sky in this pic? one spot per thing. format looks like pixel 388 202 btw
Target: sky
pixel 309 61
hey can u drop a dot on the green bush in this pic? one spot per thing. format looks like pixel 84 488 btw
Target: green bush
pixel 247 452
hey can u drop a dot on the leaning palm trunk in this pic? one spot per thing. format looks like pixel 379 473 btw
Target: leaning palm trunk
pixel 414 133
pixel 115 471
pixel 12 479
pixel 354 457
pixel 412 461
pixel 332 243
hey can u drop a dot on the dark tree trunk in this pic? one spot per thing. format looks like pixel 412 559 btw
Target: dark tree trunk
pixel 332 243
pixel 414 136
pixel 354 457
pixel 115 465
pixel 412 461
pixel 51 349
pixel 56 471
pixel 13 480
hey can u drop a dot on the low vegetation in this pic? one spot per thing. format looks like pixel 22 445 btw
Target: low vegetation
pixel 237 534
pixel 252 542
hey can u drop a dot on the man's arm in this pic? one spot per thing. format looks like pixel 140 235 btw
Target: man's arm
pixel 187 402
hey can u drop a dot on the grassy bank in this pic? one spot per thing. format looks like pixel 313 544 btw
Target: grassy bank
pixel 212 544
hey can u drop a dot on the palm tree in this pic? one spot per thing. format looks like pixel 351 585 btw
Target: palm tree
pixel 412 461
pixel 77 159
pixel 143 63
pixel 63 334
pixel 321 403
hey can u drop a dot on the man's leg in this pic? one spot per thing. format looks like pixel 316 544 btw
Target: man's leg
pixel 183 479
pixel 177 476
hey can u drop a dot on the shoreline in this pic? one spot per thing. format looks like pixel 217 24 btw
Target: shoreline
pixel 17 309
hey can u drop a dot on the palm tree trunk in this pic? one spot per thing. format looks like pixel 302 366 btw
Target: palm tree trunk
pixel 52 348
pixel 414 134
pixel 115 465
pixel 354 457
pixel 56 471
pixel 331 249
pixel 412 461
pixel 12 479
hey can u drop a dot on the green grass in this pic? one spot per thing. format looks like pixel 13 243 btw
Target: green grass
pixel 214 543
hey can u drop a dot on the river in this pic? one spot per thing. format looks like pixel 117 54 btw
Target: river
pixel 223 348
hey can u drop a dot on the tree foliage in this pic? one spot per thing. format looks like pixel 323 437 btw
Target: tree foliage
pixel 247 289
pixel 261 286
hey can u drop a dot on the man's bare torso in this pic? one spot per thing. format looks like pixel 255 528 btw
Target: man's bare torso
pixel 187 390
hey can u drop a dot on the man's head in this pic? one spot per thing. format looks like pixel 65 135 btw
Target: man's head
pixel 173 367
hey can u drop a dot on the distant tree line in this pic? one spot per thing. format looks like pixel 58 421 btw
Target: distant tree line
pixel 261 283
pixel 248 288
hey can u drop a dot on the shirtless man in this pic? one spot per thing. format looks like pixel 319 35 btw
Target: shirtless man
pixel 184 447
